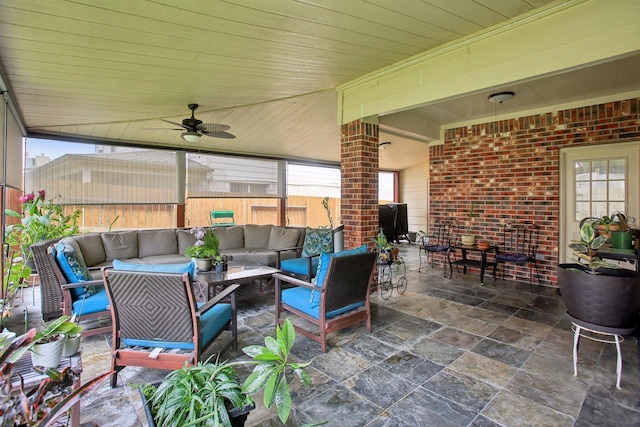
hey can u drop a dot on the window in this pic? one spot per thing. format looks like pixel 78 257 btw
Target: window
pixel 387 187
pixel 600 187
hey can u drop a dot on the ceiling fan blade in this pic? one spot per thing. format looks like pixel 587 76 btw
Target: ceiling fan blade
pixel 174 123
pixel 162 129
pixel 220 134
pixel 212 127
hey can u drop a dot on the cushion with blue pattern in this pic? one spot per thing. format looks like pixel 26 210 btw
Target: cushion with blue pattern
pixel 317 241
pixel 73 268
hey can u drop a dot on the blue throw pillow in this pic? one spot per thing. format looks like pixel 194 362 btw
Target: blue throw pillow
pixel 73 268
pixel 323 266
pixel 189 267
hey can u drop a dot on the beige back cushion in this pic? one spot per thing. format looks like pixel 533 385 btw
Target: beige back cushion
pixel 185 239
pixel 230 237
pixel 120 245
pixel 157 242
pixel 91 248
pixel 283 238
pixel 256 236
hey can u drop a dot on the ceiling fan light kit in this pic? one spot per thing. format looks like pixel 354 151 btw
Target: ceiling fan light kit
pixel 190 136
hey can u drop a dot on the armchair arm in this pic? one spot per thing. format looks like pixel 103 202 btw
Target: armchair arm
pixel 294 281
pixel 279 251
pixel 228 291
pixel 68 286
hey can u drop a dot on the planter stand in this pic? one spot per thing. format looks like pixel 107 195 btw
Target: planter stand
pixel 611 336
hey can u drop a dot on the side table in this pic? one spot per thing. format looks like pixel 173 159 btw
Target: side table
pixel 482 263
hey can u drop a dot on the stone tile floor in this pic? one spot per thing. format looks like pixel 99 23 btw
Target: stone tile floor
pixel 448 352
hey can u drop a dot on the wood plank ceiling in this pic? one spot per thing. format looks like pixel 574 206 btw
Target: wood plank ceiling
pixel 110 70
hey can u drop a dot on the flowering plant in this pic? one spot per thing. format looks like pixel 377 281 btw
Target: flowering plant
pixel 40 220
pixel 206 245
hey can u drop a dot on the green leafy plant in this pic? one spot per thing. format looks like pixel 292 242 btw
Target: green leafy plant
pixel 16 273
pixel 207 391
pixel 43 404
pixel 586 248
pixel 40 220
pixel 61 326
pixel 206 245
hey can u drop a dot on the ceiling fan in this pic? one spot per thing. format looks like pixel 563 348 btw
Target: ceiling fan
pixel 195 128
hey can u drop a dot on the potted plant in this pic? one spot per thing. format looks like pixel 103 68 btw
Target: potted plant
pixel 387 253
pixel 468 239
pixel 40 220
pixel 48 400
pixel 204 249
pixel 218 263
pixel 47 345
pixel 212 391
pixel 595 291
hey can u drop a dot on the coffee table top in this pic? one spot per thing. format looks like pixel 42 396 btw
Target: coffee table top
pixel 237 272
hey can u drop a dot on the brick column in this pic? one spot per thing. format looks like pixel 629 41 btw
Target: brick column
pixel 359 170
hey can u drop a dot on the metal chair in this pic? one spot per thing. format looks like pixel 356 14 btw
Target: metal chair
pixel 225 216
pixel 519 246
pixel 442 236
pixel 157 322
pixel 340 299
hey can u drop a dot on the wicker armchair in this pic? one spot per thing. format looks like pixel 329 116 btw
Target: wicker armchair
pixel 157 322
pixel 50 286
pixel 340 299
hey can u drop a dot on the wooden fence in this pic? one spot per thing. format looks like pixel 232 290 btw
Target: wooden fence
pixel 301 211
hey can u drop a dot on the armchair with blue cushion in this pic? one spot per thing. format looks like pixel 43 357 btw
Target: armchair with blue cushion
pixel 316 242
pixel 340 298
pixel 81 294
pixel 158 323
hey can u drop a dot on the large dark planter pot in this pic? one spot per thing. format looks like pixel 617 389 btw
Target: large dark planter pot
pixel 237 416
pixel 609 298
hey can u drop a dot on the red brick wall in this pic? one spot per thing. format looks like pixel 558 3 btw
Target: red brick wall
pixel 515 175
pixel 359 182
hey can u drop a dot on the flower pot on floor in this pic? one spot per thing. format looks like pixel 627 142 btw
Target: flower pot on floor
pixel 609 297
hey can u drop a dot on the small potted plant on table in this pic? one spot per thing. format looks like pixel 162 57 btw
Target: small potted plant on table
pixel 204 249
pixel 48 345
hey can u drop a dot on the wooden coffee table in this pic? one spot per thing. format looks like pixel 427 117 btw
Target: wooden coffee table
pixel 254 279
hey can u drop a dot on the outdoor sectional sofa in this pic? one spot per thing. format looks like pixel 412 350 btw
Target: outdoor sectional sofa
pixel 242 243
